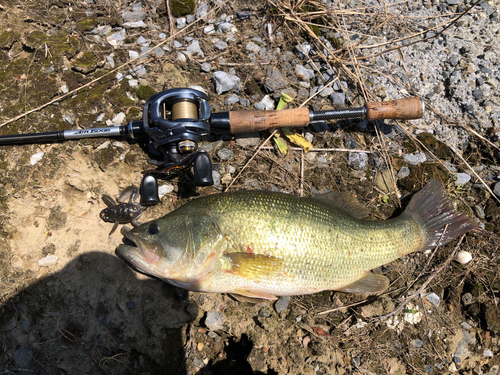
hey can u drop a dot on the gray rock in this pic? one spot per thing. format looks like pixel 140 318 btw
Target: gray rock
pixel 302 50
pixel 224 82
pixel 133 16
pixel 479 212
pixel 462 178
pixel 243 15
pixel 68 119
pixel 469 337
pixel 358 160
pixel 248 140
pixel 303 73
pixel 202 10
pixel 214 320
pixel 205 67
pixel 433 298
pixel 462 349
pixel 321 162
pixel 467 299
pixel 417 343
pixel 452 2
pixel 266 104
pixel 225 154
pixel 219 44
pixel 282 304
pixel 338 98
pixel 404 172
pixel 194 49
pixel 450 167
pixel 216 178
pixel 477 94
pixel 496 189
pixel 232 100
pixel 252 47
pixel 198 363
pixel 181 22
pixel 117 38
pixel 415 159
pixel 22 357
pixel 275 80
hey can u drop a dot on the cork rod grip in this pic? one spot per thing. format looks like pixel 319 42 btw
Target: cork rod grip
pixel 400 109
pixel 251 121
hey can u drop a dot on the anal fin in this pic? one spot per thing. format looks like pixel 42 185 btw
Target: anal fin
pixel 257 300
pixel 369 283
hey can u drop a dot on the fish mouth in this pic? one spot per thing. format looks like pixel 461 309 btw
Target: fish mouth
pixel 138 254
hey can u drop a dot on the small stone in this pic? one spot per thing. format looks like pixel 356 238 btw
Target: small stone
pixel 462 179
pixel 302 50
pixel 415 158
pixel 194 50
pixel 428 369
pixel 118 119
pixel 465 325
pixel 275 80
pixel 214 320
pixel 164 190
pixel 225 154
pixel 37 157
pixel 488 353
pixel 479 212
pixel 450 167
pixel 205 67
pixel 252 47
pixel 68 119
pixel 247 140
pixel 303 73
pixel 224 82
pixel 477 94
pixel 233 99
pixel 467 299
pixel 117 38
pixel 358 160
pixel 321 162
pixel 282 304
pixel 49 260
pixel 181 22
pixel 404 172
pixel 133 16
pixel 463 257
pixel 496 189
pixel 216 177
pixel 338 98
pixel 266 104
pixel 64 89
pixel 433 298
pixel 417 343
pixel 198 363
pixel 22 358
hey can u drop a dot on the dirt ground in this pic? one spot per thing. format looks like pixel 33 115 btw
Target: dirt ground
pixel 89 313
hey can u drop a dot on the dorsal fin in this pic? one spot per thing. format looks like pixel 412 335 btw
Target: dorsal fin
pixel 344 202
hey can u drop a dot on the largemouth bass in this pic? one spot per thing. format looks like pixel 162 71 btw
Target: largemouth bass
pixel 259 244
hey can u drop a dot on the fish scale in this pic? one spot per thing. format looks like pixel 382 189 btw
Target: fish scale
pixel 259 244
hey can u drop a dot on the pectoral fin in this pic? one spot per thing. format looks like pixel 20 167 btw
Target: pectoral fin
pixel 252 266
pixel 370 283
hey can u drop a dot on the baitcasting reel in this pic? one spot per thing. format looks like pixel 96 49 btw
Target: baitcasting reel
pixel 176 121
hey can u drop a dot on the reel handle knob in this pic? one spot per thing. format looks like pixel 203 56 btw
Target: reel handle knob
pixel 203 170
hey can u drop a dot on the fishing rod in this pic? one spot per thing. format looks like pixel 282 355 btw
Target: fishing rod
pixel 175 121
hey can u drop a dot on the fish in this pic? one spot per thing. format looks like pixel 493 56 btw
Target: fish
pixel 260 245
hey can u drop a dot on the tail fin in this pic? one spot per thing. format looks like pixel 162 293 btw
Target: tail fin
pixel 432 207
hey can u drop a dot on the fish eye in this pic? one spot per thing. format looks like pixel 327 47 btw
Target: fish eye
pixel 153 228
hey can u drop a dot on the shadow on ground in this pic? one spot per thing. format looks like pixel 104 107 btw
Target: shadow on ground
pixel 94 316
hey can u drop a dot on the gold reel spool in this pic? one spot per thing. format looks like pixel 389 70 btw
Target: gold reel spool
pixel 184 109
